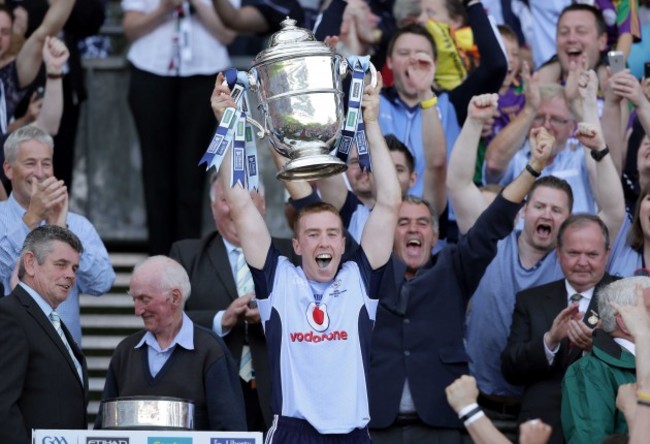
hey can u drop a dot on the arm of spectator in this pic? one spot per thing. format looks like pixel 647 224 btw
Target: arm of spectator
pixel 624 42
pixel 534 431
pixel 377 236
pixel 604 178
pixel 30 116
pixel 541 146
pixel 137 24
pixel 95 275
pixel 466 198
pixel 213 22
pixel 55 56
pixel 510 139
pixel 28 60
pixel 613 120
pixel 421 73
pixel 462 395
pixel 627 86
pixel 489 75
pixel 247 19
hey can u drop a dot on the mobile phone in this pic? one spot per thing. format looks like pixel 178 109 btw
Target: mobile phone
pixel 646 70
pixel 40 92
pixel 616 61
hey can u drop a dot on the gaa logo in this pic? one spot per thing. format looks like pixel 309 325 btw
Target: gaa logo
pixel 54 440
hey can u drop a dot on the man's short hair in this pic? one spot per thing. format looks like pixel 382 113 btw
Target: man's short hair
pixel 555 183
pixel 415 200
pixel 24 134
pixel 507 32
pixel 580 220
pixel 601 26
pixel 171 274
pixel 416 29
pixel 394 144
pixel 622 292
pixel 40 242
pixel 316 207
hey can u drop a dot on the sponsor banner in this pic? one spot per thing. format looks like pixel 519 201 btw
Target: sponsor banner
pixel 107 440
pixel 142 437
pixel 168 440
pixel 232 441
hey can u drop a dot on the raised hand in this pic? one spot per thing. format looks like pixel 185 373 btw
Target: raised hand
pixel 45 196
pixel 55 55
pixel 220 98
pixel 370 101
pixel 531 87
pixel 462 392
pixel 482 108
pixel 236 310
pixel 420 73
pixel 559 328
pixel 542 145
pixel 591 136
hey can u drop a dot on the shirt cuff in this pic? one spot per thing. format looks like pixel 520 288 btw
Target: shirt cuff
pixel 216 324
pixel 550 353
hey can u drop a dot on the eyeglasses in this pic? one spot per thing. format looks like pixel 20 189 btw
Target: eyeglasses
pixel 554 121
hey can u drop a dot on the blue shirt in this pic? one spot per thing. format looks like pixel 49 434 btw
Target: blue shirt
pixel 395 117
pixel 492 306
pixel 623 259
pixel 95 275
pixel 158 356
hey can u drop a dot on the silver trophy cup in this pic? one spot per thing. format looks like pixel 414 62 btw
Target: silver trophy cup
pixel 298 84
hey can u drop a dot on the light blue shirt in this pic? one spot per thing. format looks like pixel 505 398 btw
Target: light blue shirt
pixel 42 303
pixel 492 306
pixel 232 259
pixel 157 356
pixel 623 259
pixel 95 275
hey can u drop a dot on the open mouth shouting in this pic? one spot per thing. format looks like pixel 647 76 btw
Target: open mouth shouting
pixel 323 260
pixel 543 230
pixel 413 246
pixel 574 54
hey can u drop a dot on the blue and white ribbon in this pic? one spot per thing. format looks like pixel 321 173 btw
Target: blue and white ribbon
pixel 235 131
pixel 353 129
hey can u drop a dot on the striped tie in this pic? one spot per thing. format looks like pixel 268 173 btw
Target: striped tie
pixel 576 297
pixel 244 286
pixel 56 321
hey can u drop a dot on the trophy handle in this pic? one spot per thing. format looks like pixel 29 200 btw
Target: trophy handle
pixel 373 75
pixel 262 131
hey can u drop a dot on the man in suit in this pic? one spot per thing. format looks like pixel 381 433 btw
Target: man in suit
pixel 44 383
pixel 552 323
pixel 417 345
pixel 216 302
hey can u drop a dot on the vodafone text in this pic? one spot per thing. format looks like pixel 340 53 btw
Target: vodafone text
pixel 338 335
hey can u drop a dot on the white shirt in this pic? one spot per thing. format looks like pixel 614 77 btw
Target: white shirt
pixel 153 52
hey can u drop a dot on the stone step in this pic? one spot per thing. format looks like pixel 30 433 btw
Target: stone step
pixel 96 384
pixel 98 362
pixel 126 260
pixel 111 321
pixel 108 300
pixel 103 342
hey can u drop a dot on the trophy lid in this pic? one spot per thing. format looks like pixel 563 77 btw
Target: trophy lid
pixel 290 42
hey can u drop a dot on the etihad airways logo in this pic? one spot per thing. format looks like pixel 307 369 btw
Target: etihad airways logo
pixel 337 335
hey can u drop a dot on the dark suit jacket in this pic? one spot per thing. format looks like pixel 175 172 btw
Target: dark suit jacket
pixel 524 362
pixel 420 323
pixel 39 385
pixel 213 289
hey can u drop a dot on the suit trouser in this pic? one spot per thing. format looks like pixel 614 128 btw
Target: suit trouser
pixel 175 124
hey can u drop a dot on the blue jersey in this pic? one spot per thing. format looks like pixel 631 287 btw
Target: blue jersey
pixel 319 343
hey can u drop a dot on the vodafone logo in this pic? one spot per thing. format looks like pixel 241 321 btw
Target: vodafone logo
pixel 310 336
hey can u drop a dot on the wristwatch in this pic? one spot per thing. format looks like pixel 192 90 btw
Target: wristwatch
pixel 598 155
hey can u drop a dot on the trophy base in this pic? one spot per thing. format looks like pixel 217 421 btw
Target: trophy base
pixel 311 168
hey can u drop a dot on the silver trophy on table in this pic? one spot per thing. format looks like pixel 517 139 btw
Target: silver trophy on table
pixel 298 84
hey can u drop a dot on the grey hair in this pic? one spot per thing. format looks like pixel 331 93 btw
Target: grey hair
pixel 415 200
pixel 25 134
pixel 171 274
pixel 622 292
pixel 40 242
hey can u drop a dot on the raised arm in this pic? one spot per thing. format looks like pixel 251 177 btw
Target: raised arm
pixel 377 237
pixel 213 22
pixel 245 19
pixel 603 175
pixel 614 120
pixel 29 58
pixel 55 55
pixel 421 73
pixel 510 139
pixel 466 198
